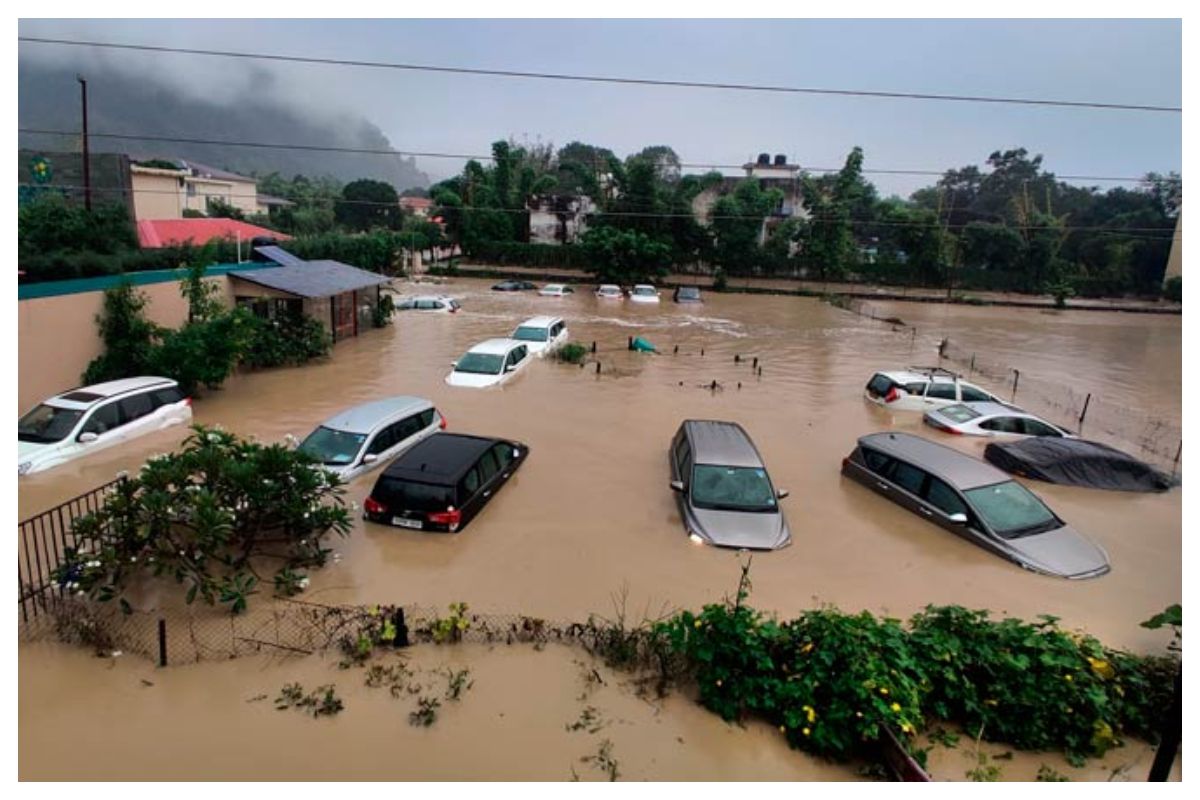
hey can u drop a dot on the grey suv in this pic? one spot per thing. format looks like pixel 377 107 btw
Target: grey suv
pixel 724 493
pixel 974 500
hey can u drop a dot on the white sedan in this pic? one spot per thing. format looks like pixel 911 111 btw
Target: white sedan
pixel 542 334
pixel 438 304
pixel 609 291
pixel 991 419
pixel 644 293
pixel 489 363
pixel 555 290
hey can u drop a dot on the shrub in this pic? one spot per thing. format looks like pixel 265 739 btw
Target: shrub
pixel 287 340
pixel 572 353
pixel 720 280
pixel 207 516
pixel 381 315
pixel 129 338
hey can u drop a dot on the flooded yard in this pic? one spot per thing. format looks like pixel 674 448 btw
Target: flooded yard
pixel 590 515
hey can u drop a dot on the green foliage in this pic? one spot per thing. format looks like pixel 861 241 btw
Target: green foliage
pixel 457 682
pixel 567 256
pixel 720 280
pixel 286 340
pixel 129 338
pixel 426 713
pixel 204 352
pixel 827 240
pixel 1048 774
pixel 217 207
pixel 1060 289
pixel 1172 615
pixel 571 353
pixel 52 226
pixel 830 681
pixel 320 702
pixel 1173 289
pixel 206 516
pixel 368 204
pixel 381 314
pixel 624 256
pixel 452 627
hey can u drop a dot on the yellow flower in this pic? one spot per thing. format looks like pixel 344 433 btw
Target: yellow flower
pixel 896 707
pixel 806 731
pixel 807 648
pixel 1101 667
pixel 1068 678
pixel 782 729
pixel 883 690
pixel 904 726
pixel 697 623
pixel 990 702
pixel 810 713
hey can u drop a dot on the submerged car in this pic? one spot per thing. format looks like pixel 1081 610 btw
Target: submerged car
pixel 991 419
pixel 922 388
pixel 609 291
pixel 489 363
pixel 370 435
pixel 442 483
pixel 92 418
pixel 514 286
pixel 1077 462
pixel 542 335
pixel 722 488
pixel 687 294
pixel 644 293
pixel 555 290
pixel 974 500
pixel 429 303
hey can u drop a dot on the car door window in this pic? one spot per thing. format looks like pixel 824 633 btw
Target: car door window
pixel 487 467
pixel 1035 427
pixel 503 455
pixel 942 391
pixel 908 477
pixel 916 388
pixel 103 419
pixel 876 462
pixel 382 441
pixel 972 395
pixel 1002 425
pixel 426 418
pixel 942 497
pixel 470 484
pixel 683 458
pixel 519 354
pixel 410 426
pixel 135 407
pixel 163 397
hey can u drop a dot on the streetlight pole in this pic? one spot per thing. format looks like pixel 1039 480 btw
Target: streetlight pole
pixel 87 171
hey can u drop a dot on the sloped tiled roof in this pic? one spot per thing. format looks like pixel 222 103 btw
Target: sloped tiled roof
pixel 313 278
pixel 167 232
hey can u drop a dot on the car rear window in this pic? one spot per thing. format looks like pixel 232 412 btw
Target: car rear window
pixel 972 395
pixel 404 495
pixel 959 413
pixel 880 385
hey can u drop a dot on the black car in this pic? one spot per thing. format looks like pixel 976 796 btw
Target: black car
pixel 443 482
pixel 687 294
pixel 514 286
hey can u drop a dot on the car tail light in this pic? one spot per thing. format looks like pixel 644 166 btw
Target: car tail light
pixel 892 395
pixel 845 462
pixel 442 424
pixel 187 401
pixel 450 517
pixel 373 506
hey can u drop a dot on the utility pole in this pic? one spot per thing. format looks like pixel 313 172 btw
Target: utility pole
pixel 87 171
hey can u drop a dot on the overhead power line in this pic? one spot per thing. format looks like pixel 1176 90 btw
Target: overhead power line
pixel 481 157
pixel 1139 233
pixel 559 76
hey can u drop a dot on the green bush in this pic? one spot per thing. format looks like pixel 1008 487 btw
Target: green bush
pixel 129 338
pixel 381 315
pixel 720 280
pixel 209 517
pixel 1173 289
pixel 830 681
pixel 287 340
pixel 571 353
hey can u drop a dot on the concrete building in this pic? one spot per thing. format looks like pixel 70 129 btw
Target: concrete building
pixel 420 207
pixel 558 218
pixel 164 192
pixel 777 174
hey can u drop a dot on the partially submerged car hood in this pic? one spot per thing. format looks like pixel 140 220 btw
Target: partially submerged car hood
pixel 1064 552
pixel 30 450
pixel 741 529
pixel 475 379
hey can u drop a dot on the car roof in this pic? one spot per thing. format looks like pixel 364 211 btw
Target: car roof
pixel 494 346
pixel 723 443
pixel 990 408
pixel 956 468
pixel 539 322
pixel 643 286
pixel 87 396
pixel 441 459
pixel 429 297
pixel 918 374
pixel 364 418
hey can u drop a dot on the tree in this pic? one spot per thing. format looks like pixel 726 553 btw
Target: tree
pixel 827 239
pixel 992 246
pixel 217 207
pixel 50 223
pixel 664 160
pixel 738 222
pixel 367 204
pixel 624 256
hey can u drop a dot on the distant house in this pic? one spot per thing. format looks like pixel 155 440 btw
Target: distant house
pixel 268 203
pixel 165 188
pixel 558 218
pixel 777 174
pixel 199 231
pixel 417 206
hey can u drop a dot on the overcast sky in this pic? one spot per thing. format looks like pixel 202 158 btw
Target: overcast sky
pixel 1119 61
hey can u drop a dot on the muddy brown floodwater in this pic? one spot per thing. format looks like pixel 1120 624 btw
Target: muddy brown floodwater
pixel 590 516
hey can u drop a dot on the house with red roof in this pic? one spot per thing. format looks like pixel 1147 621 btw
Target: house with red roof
pixel 200 231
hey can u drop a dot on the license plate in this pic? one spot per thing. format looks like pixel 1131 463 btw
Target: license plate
pixel 407 523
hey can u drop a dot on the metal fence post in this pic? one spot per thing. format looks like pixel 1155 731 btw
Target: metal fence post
pixel 162 642
pixel 1086 402
pixel 1016 380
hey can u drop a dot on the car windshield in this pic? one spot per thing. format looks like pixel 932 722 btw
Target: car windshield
pixel 333 447
pixel 1011 510
pixel 689 294
pixel 530 334
pixel 47 424
pixel 959 413
pixel 732 488
pixel 643 290
pixel 480 363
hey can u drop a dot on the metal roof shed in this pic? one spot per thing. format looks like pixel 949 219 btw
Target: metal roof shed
pixel 330 290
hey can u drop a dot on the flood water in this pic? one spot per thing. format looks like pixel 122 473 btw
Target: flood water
pixel 590 515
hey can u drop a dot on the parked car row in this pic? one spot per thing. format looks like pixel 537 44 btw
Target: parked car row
pixel 494 361
pixel 639 293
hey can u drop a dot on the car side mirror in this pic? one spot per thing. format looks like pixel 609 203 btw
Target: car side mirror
pixel 370 458
pixel 677 486
pixel 782 493
pixel 453 363
pixel 959 518
pixel 87 436
pixel 509 367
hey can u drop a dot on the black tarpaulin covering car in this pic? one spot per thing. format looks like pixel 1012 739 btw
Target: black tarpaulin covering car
pixel 1076 462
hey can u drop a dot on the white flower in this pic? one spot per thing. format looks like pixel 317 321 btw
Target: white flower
pixel 337 557
pixel 123 474
pixel 93 564
pixel 80 593
pixel 117 653
pixel 304 541
pixel 212 437
pixel 306 515
pixel 304 583
pixel 133 559
pixel 182 554
pixel 353 506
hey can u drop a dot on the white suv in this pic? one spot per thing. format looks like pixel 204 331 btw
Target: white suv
pixel 93 418
pixel 542 334
pixel 367 436
pixel 923 388
pixel 436 303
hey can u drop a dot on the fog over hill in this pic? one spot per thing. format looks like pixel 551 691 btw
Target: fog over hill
pixel 123 103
